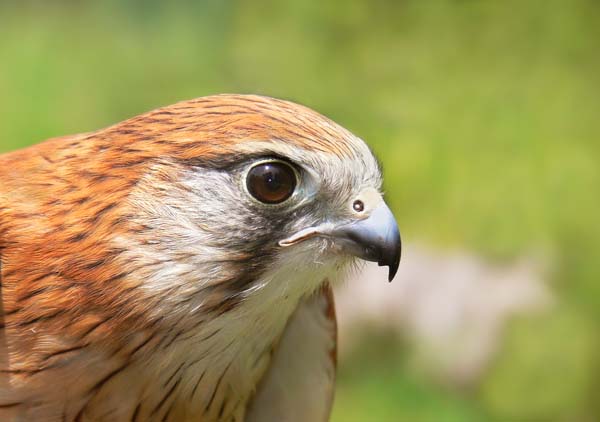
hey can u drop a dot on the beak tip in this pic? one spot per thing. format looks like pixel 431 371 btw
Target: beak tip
pixel 391 275
pixel 393 269
pixel 393 265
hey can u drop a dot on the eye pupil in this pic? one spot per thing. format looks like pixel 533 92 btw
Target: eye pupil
pixel 271 182
pixel 359 206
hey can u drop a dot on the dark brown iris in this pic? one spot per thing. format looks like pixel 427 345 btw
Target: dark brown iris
pixel 271 182
pixel 359 206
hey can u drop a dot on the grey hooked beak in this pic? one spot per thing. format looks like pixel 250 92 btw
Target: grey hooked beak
pixel 376 238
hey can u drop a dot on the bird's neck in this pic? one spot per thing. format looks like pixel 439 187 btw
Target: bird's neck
pixel 219 353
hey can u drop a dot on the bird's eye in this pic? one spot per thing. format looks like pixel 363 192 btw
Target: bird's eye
pixel 271 182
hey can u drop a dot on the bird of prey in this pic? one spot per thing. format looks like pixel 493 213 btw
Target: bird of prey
pixel 177 266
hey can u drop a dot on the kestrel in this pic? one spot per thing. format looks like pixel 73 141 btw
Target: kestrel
pixel 177 266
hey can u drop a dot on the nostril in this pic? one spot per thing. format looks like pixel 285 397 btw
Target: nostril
pixel 358 206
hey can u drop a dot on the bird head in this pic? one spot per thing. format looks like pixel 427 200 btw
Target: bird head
pixel 240 192
pixel 204 205
pixel 192 233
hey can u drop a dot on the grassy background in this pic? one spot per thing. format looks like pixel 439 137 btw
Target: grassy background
pixel 485 115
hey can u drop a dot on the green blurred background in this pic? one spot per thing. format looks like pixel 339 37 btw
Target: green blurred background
pixel 486 115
